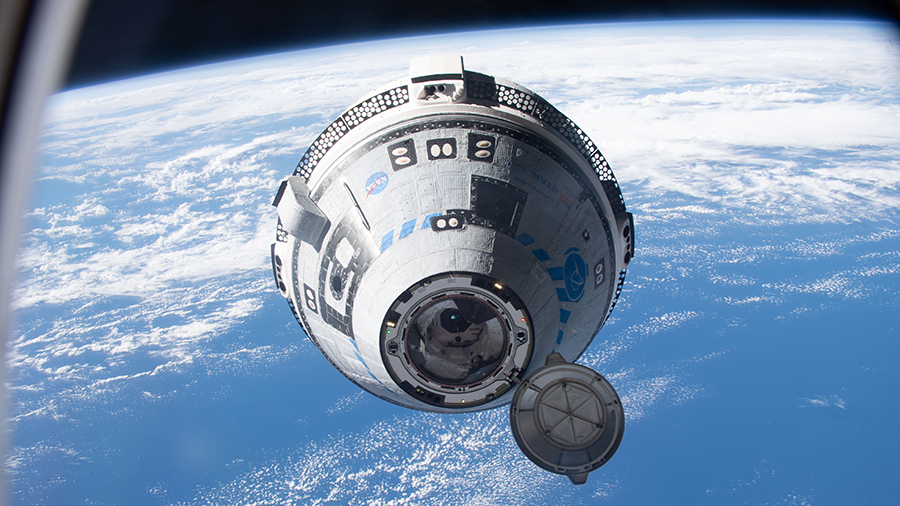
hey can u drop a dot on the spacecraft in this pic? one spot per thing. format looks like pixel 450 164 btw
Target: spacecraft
pixel 453 243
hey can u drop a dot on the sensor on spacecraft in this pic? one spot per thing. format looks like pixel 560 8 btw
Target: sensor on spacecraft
pixel 451 243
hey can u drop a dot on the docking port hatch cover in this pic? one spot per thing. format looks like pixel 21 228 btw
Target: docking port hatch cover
pixel 567 418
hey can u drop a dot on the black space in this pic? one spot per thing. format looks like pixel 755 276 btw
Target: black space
pixel 125 38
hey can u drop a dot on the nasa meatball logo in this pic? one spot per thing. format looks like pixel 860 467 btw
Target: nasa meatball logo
pixel 376 183
pixel 575 273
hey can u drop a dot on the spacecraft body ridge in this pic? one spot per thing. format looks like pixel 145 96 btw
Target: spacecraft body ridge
pixel 446 237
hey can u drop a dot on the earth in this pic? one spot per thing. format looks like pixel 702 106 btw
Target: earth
pixel 755 347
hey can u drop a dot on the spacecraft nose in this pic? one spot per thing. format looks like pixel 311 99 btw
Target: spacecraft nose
pixel 453 333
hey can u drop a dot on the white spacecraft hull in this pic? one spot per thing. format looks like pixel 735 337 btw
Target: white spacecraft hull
pixel 448 233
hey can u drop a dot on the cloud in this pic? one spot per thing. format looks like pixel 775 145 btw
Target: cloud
pixel 823 401
pixel 598 357
pixel 405 460
pixel 347 403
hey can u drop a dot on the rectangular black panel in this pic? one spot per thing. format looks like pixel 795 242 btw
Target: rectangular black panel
pixel 309 296
pixel 441 149
pixel 423 395
pixel 402 154
pixel 481 147
pixel 497 204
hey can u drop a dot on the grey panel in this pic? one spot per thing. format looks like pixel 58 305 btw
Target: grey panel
pixel 299 215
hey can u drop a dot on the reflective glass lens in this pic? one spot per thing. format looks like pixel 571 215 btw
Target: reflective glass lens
pixel 457 340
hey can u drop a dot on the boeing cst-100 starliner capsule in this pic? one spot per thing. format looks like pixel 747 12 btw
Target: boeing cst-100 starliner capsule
pixel 451 243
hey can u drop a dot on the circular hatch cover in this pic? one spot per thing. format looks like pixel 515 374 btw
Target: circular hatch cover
pixel 567 418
